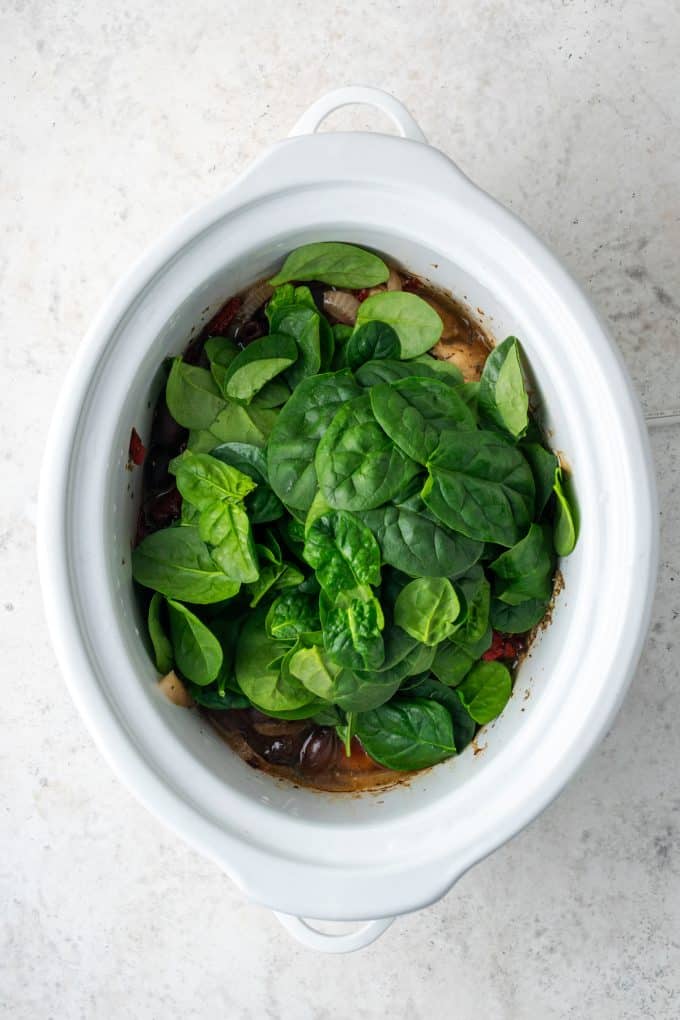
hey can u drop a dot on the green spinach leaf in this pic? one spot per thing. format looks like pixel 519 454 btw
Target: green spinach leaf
pixel 259 669
pixel 427 608
pixel 464 725
pixel 192 396
pixel 197 651
pixel 202 479
pixel 525 571
pixel 414 542
pixel 502 395
pixel 564 535
pixel 162 647
pixel 480 485
pixel 352 633
pixel 517 619
pixel 414 413
pixel 226 527
pixel 262 504
pixel 371 341
pixel 543 464
pixel 257 365
pixel 335 263
pixel 238 424
pixel 292 614
pixel 178 564
pixel 357 465
pixel 372 373
pixel 342 551
pixel 414 321
pixel 211 697
pixel 485 690
pixel 407 734
pixel 295 437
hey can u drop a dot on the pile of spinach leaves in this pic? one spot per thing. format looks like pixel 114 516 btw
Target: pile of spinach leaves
pixel 356 521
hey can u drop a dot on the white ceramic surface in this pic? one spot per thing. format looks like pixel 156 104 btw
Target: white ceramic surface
pixel 289 849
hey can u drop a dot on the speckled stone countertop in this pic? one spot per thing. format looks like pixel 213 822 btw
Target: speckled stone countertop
pixel 115 119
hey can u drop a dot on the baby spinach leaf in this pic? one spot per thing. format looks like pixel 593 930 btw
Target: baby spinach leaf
pixel 211 697
pixel 292 614
pixel 371 373
pixel 296 435
pixel 345 732
pixel 360 692
pixel 192 396
pixel 342 551
pixel 282 296
pixel 221 352
pixel 476 593
pixel 407 734
pixel 517 619
pixel 351 633
pixel 427 608
pixel 451 663
pixel 203 479
pixel 440 368
pixel 414 412
pixel 162 648
pixel 177 563
pixel 464 725
pixel 371 341
pixel 341 333
pixel 263 506
pixel 564 535
pixel 543 464
pixel 316 671
pixel 335 263
pixel 502 395
pixel 273 394
pixel 414 321
pixel 257 365
pixel 480 485
pixel 525 571
pixel 357 464
pixel 238 424
pixel 303 324
pixel 259 672
pixel 414 542
pixel 469 393
pixel 226 527
pixel 198 653
pixel 485 690
pixel 226 627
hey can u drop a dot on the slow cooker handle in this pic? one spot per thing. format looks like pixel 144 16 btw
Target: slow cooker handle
pixel 324 942
pixel 365 95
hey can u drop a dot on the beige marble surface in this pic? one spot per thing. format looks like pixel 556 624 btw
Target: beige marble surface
pixel 116 118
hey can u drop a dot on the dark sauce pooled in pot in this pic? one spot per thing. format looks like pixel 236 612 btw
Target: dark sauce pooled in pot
pixel 300 751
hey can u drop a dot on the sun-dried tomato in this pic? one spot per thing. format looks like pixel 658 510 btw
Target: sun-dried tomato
pixel 137 448
pixel 224 317
pixel 504 646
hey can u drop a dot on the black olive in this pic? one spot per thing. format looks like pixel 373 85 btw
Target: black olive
pixel 165 431
pixel 164 509
pixel 156 475
pixel 317 290
pixel 279 750
pixel 318 750
pixel 244 332
pixel 195 352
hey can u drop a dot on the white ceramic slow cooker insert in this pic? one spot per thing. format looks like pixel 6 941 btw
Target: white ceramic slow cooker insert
pixel 295 850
